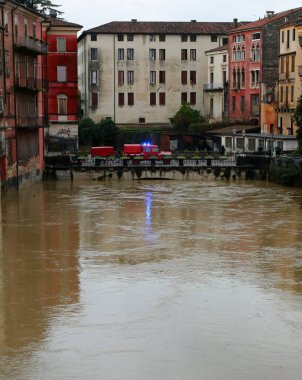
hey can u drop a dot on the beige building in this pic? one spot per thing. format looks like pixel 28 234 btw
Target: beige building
pixel 215 91
pixel 141 72
pixel 290 76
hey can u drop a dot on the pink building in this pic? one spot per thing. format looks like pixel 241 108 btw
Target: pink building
pixel 21 86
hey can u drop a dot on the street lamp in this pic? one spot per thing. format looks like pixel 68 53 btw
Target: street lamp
pixel 234 134
pixel 243 136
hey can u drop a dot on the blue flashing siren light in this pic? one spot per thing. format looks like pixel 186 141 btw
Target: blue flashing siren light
pixel 146 143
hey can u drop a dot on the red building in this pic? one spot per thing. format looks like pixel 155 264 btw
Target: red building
pixel 60 69
pixel 253 63
pixel 21 102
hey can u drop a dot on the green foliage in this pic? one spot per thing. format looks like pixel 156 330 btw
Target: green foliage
pixel 41 6
pixel 184 117
pixel 286 171
pixel 104 132
pixel 297 116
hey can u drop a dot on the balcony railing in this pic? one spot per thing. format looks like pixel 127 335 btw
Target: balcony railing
pixel 212 86
pixel 31 121
pixel 31 44
pixel 29 83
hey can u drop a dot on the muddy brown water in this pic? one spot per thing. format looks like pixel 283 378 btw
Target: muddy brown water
pixel 126 280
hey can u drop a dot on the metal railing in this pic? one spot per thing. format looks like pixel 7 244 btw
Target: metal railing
pixel 31 121
pixel 213 86
pixel 32 44
pixel 30 83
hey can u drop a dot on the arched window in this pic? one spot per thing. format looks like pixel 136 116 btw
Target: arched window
pixel 234 78
pixel 62 104
pixel 242 76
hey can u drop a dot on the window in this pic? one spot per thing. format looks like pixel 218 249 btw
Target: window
pixel 152 37
pixel 121 99
pixel 193 98
pixel 93 77
pixel 292 91
pixel 141 120
pixel 93 37
pixel 184 55
pixel 61 45
pixel 193 77
pixel 130 77
pixel 130 98
pixel 184 38
pixel 7 63
pixel 25 28
pixel 211 60
pixel 152 77
pixel 130 37
pixel 162 54
pixel 233 103
pixel 130 54
pixel 62 104
pixel 162 37
pixel 6 22
pixel 294 34
pixel 287 40
pixel 192 54
pixel 282 36
pixel 293 63
pixel 242 103
pixel 255 36
pixel 184 79
pixel 61 73
pixel 34 30
pixel 184 98
pixel 211 78
pixel 281 94
pixel 94 54
pixel 224 76
pixel 152 54
pixel 162 98
pixel 120 77
pixel 162 77
pixel 120 54
pixel 213 38
pixel 193 38
pixel 225 41
pixel 16 27
pixel 282 65
pixel 152 98
pixel 224 58
pixel 211 106
pixel 94 99
pixel 120 37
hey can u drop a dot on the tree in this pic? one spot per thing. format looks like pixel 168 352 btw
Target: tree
pixel 41 6
pixel 297 116
pixel 86 126
pixel 184 117
pixel 103 133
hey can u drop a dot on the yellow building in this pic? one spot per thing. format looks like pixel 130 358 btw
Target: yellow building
pixel 290 76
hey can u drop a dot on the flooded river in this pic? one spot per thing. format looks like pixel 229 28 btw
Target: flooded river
pixel 151 280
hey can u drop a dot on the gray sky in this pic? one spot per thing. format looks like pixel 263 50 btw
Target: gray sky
pixel 91 13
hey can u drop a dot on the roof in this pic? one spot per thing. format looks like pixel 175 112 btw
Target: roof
pixel 161 27
pixel 218 49
pixel 63 23
pixel 266 20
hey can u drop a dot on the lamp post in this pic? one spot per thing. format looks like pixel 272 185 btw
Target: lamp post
pixel 234 134
pixel 243 136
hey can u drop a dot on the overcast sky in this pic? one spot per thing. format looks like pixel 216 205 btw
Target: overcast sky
pixel 92 13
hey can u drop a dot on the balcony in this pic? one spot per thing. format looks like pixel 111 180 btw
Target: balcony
pixel 31 44
pixel 30 84
pixel 213 87
pixel 32 122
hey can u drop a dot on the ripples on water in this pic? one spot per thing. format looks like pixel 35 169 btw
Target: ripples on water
pixel 151 280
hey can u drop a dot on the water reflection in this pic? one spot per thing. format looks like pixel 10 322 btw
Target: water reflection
pixel 197 277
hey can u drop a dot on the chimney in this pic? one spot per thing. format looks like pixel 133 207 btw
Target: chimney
pixel 133 20
pixel 235 20
pixel 193 20
pixel 269 14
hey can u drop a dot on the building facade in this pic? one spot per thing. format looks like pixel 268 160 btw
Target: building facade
pixel 253 68
pixel 60 69
pixel 289 83
pixel 139 73
pixel 21 101
pixel 215 91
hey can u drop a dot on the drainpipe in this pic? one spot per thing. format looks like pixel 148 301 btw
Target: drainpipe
pixel 15 105
pixel 114 87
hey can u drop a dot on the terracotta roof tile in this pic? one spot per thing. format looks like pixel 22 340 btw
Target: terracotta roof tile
pixel 63 23
pixel 161 27
pixel 219 48
pixel 264 21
